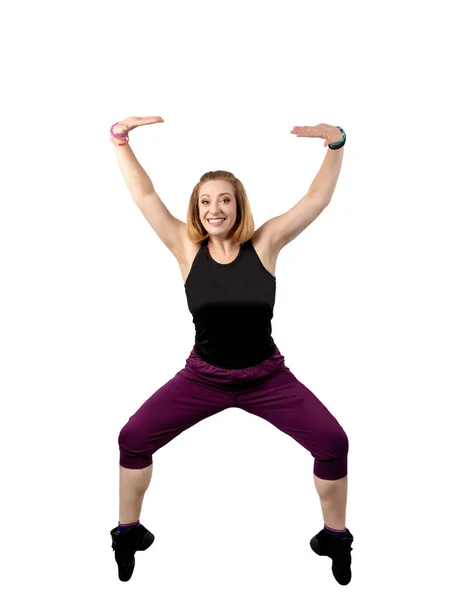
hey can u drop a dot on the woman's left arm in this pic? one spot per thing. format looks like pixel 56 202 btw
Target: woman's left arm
pixel 325 181
pixel 283 229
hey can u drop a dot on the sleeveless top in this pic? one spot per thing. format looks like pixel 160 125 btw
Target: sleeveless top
pixel 232 307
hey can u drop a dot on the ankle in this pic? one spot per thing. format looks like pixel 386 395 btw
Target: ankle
pixel 123 527
pixel 338 533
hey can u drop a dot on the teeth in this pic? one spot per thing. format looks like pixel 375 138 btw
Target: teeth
pixel 215 220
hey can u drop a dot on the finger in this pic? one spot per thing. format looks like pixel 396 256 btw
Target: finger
pixel 137 121
pixel 149 120
pixel 305 131
pixel 297 130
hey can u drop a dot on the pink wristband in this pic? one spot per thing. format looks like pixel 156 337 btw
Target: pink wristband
pixel 115 135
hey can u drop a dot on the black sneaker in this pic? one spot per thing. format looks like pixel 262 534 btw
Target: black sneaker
pixel 339 550
pixel 126 544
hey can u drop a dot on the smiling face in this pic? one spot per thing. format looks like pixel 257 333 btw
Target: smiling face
pixel 217 199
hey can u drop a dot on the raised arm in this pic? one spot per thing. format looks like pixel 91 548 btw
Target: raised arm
pixel 283 229
pixel 168 228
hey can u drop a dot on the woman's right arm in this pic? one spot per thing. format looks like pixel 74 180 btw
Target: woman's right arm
pixel 169 229
pixel 137 180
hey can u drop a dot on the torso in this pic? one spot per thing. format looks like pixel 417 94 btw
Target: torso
pixel 267 256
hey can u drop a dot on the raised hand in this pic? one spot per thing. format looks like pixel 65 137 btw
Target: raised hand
pixel 330 133
pixel 130 123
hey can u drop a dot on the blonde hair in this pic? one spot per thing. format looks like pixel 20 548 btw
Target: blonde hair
pixel 244 225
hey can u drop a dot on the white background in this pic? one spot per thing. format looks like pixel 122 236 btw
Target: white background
pixel 94 316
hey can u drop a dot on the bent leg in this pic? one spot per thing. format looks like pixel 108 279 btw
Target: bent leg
pixel 291 407
pixel 179 404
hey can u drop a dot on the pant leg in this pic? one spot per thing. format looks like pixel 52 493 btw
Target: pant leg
pixel 291 407
pixel 186 399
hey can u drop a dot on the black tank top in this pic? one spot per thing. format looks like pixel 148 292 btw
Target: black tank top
pixel 232 307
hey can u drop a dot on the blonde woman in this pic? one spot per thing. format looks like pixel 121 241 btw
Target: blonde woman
pixel 228 271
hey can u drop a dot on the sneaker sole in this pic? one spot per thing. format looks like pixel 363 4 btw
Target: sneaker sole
pixel 341 575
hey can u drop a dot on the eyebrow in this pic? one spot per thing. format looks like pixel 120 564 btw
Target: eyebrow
pixel 223 194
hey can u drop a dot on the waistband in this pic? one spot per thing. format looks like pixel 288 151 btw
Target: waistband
pixel 201 368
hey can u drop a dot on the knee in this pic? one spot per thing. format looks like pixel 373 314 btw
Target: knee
pixel 340 441
pixel 128 438
pixel 135 452
pixel 331 454
pixel 335 443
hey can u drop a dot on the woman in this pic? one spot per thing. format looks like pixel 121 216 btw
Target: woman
pixel 228 271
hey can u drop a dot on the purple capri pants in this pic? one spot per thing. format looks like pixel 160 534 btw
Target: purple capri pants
pixel 268 390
